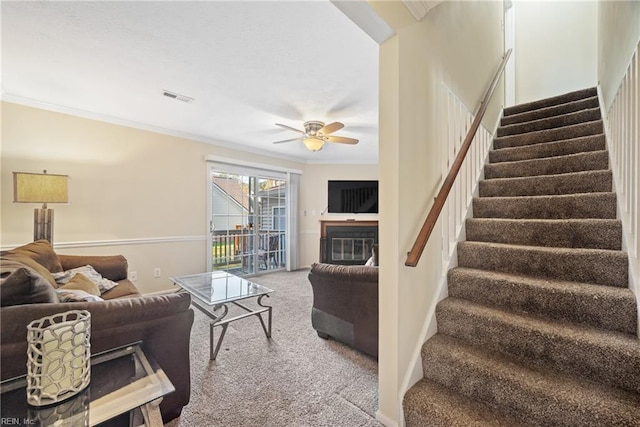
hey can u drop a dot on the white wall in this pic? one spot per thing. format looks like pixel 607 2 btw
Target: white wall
pixel 556 47
pixel 618 35
pixel 459 43
pixel 126 185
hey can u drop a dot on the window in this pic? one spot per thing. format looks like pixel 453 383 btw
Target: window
pixel 248 219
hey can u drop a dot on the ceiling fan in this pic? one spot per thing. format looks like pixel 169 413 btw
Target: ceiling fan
pixel 316 133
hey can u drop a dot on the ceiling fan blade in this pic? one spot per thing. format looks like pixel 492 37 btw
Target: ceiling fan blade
pixel 289 127
pixel 287 140
pixel 330 128
pixel 341 139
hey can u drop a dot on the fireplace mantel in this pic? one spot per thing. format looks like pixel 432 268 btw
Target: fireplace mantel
pixel 347 242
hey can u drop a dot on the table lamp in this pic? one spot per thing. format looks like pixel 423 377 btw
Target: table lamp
pixel 41 188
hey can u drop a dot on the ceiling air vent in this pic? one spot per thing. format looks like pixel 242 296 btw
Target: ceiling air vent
pixel 177 96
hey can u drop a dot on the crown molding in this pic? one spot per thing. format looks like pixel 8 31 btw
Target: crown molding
pixel 56 108
pixel 365 17
pixel 420 8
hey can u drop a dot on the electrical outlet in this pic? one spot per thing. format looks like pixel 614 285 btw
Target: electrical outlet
pixel 133 276
pixel 156 272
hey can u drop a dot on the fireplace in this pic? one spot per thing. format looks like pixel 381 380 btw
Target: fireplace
pixel 347 242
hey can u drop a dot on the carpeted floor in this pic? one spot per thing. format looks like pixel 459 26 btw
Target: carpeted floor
pixel 294 379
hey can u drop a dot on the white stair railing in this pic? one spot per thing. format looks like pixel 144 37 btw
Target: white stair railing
pixel 455 127
pixel 623 138
pixel 413 256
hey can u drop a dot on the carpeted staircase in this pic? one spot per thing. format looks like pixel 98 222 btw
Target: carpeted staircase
pixel 540 327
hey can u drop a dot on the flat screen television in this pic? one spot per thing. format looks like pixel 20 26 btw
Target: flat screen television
pixel 353 197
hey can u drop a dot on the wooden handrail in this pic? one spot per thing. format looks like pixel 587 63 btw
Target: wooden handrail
pixel 421 241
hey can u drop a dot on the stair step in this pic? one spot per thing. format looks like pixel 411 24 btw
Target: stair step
pixel 586 205
pixel 566 132
pixel 565 233
pixel 549 149
pixel 569 183
pixel 539 327
pixel 428 403
pixel 525 393
pixel 592 160
pixel 595 266
pixel 607 357
pixel 548 102
pixel 605 307
pixel 554 110
pixel 554 122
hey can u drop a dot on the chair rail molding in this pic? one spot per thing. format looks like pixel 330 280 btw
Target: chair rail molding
pixel 117 242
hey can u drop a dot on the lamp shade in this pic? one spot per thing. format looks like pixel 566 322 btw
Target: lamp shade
pixel 313 143
pixel 40 188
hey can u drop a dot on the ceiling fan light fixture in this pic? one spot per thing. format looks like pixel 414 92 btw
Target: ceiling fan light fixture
pixel 316 133
pixel 313 143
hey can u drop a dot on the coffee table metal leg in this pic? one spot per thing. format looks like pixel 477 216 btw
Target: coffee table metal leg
pixel 219 320
pixel 267 332
pixel 188 284
pixel 214 352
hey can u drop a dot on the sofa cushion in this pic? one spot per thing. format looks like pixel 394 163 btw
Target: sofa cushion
pixel 345 272
pixel 76 295
pixel 90 273
pixel 81 282
pixel 41 252
pixel 125 289
pixel 112 267
pixel 22 285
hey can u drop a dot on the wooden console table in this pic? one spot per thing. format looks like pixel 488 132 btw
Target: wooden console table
pixel 347 242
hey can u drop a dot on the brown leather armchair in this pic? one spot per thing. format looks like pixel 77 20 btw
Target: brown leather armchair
pixel 345 304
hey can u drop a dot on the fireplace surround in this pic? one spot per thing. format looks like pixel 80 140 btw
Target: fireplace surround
pixel 347 242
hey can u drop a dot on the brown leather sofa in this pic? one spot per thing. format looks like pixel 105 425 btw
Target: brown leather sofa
pixel 345 304
pixel 163 323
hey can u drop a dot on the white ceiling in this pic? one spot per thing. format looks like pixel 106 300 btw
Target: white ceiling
pixel 248 64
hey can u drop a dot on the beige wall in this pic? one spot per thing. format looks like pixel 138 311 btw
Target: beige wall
pixel 618 35
pixel 556 47
pixel 461 44
pixel 125 185
pixel 313 203
pixel 389 378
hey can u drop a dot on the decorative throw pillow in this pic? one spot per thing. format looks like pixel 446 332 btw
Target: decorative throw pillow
pixel 30 263
pixel 90 273
pixel 39 251
pixel 75 295
pixel 22 285
pixel 80 282
pixel 373 261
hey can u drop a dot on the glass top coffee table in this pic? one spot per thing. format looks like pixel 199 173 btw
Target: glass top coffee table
pixel 212 292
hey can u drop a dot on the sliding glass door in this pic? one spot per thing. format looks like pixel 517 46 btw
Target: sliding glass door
pixel 248 223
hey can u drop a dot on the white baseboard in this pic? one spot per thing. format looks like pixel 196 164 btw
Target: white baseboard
pixel 386 420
